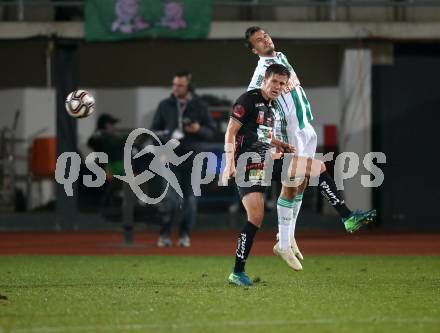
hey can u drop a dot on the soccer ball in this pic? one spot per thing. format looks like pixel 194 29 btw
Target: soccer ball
pixel 80 104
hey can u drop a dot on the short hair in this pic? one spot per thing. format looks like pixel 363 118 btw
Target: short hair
pixel 277 69
pixel 188 76
pixel 248 34
pixel 185 74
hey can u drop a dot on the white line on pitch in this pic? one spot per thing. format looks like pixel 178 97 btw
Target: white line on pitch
pixel 133 327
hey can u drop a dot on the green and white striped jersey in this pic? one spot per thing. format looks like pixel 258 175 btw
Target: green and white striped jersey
pixel 293 109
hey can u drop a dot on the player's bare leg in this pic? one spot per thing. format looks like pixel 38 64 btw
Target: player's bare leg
pixel 254 205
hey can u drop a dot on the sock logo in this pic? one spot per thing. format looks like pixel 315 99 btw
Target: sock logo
pixel 241 246
pixel 329 195
pixel 285 220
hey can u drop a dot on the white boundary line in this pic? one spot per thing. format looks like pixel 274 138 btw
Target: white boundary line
pixel 135 327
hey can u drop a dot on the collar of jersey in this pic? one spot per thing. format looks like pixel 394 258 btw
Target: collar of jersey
pixel 276 57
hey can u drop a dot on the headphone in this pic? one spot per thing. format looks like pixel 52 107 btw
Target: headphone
pixel 188 77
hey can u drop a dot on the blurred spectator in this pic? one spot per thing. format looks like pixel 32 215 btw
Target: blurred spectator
pixel 65 11
pixel 183 116
pixel 107 139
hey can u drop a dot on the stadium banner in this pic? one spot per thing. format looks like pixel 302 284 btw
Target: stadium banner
pixel 111 20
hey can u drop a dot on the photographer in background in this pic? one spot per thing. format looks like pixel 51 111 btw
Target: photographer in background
pixel 183 116
pixel 107 138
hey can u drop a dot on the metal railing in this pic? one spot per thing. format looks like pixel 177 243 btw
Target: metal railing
pixel 319 3
pixel 22 5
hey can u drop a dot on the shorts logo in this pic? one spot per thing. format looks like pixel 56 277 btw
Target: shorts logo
pixel 256 175
pixel 238 111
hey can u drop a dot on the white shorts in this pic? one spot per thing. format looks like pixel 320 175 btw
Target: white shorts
pixel 287 128
pixel 304 141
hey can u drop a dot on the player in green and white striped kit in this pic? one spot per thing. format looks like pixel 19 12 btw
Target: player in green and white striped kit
pixel 293 125
pixel 293 118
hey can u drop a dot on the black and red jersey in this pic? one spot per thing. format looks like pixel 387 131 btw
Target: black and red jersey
pixel 257 117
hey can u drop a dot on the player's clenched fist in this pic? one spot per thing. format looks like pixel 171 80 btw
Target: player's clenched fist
pixel 282 146
pixel 228 172
pixel 289 86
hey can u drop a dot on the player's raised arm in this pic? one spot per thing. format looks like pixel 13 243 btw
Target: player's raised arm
pixel 257 78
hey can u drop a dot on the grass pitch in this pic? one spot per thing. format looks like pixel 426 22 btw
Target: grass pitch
pixel 190 294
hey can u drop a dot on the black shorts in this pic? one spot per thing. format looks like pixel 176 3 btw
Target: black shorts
pixel 276 176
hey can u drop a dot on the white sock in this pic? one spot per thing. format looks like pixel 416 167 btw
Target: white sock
pixel 284 210
pixel 296 206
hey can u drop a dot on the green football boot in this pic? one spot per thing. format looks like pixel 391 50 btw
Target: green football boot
pixel 358 219
pixel 239 279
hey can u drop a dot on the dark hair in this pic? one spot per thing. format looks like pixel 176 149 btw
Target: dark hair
pixel 249 32
pixel 105 119
pixel 277 69
pixel 188 76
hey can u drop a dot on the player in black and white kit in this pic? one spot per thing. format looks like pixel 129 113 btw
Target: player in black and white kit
pixel 250 132
pixel 256 116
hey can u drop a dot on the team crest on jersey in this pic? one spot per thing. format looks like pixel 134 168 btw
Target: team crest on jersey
pixel 269 121
pixel 238 111
pixel 270 62
pixel 260 118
